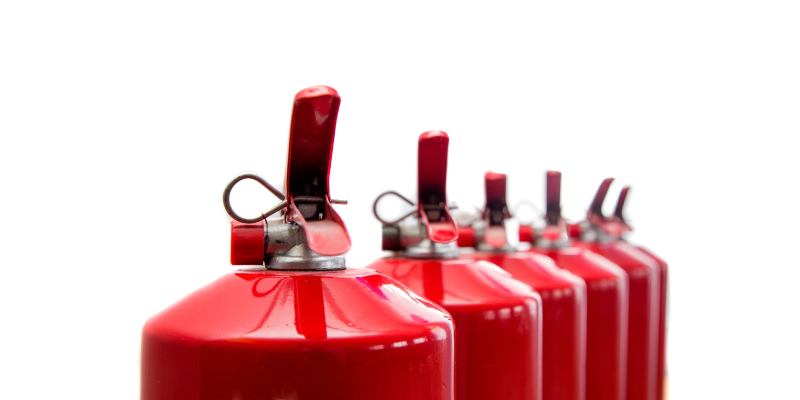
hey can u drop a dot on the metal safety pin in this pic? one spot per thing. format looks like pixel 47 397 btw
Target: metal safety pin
pixel 226 199
pixel 527 203
pixel 410 213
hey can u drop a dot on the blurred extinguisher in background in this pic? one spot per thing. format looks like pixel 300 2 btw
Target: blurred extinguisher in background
pixel 606 297
pixel 603 236
pixel 563 294
pixel 297 323
pixel 615 229
pixel 498 319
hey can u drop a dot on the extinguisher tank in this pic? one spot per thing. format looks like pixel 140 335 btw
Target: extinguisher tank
pixel 297 324
pixel 606 297
pixel 497 318
pixel 601 235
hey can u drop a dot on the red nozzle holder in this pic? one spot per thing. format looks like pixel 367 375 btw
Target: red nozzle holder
pixel 466 237
pixel 247 243
pixel 574 230
pixel 551 233
pixel 526 233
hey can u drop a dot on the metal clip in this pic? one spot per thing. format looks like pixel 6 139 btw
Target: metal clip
pixel 525 203
pixel 396 221
pixel 226 199
pixel 410 213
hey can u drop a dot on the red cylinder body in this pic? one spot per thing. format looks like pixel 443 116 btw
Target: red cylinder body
pixel 261 334
pixel 497 318
pixel 662 323
pixel 563 320
pixel 606 319
pixel 643 314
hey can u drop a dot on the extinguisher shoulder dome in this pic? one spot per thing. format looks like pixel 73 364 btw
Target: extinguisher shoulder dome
pixel 220 310
pixel 537 270
pixel 262 333
pixel 661 262
pixel 627 256
pixel 465 281
pixel 584 263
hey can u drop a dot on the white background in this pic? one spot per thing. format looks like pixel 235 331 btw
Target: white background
pixel 122 122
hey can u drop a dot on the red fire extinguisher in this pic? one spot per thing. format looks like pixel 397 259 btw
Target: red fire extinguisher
pixel 619 218
pixel 563 294
pixel 498 319
pixel 298 324
pixel 601 235
pixel 607 298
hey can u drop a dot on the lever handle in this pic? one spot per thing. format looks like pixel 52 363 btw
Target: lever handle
pixel 496 211
pixel 597 204
pixel 553 198
pixel 623 195
pixel 311 137
pixel 495 185
pixel 432 186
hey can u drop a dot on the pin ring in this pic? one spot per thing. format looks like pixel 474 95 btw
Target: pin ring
pixel 395 222
pixel 226 199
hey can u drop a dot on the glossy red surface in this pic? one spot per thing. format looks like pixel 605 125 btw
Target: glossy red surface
pixel 260 334
pixel 606 319
pixel 563 320
pixel 498 323
pixel 662 323
pixel 643 312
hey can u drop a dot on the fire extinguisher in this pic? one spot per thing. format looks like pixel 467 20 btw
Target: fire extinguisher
pixel 563 294
pixel 619 218
pixel 497 318
pixel 298 324
pixel 601 235
pixel 606 294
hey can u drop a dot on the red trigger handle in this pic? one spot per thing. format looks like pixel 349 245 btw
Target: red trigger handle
pixel 623 195
pixel 308 165
pixel 597 204
pixel 432 184
pixel 496 211
pixel 553 198
pixel 496 193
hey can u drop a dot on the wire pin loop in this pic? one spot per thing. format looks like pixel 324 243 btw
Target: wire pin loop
pixel 226 199
pixel 527 204
pixel 397 221
pixel 410 213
